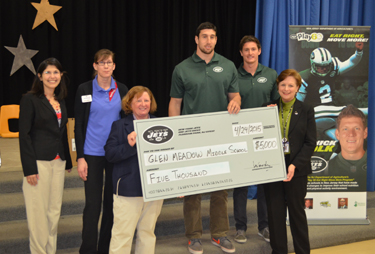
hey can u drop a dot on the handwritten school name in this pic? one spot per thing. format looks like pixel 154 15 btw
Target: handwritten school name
pixel 195 153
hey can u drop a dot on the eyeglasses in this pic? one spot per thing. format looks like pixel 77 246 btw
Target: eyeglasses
pixel 104 63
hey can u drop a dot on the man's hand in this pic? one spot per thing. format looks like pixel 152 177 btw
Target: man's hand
pixel 359 46
pixel 234 104
pixel 272 105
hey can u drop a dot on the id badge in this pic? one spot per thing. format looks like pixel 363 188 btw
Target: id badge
pixel 286 147
pixel 86 98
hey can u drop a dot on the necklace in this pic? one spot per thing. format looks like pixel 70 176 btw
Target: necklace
pixel 55 104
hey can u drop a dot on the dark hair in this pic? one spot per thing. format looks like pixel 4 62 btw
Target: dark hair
pixel 37 88
pixel 137 91
pixel 205 25
pixel 102 54
pixel 351 111
pixel 249 38
pixel 289 73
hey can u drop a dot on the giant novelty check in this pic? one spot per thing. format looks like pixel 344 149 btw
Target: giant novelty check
pixel 191 154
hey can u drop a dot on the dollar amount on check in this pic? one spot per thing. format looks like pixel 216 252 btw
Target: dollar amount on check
pixel 193 154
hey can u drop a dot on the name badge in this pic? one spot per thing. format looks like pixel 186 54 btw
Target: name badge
pixel 286 147
pixel 86 98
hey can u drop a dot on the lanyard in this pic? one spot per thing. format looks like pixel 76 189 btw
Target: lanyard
pixel 112 92
pixel 287 119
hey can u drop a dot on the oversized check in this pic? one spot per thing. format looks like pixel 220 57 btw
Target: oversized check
pixel 191 154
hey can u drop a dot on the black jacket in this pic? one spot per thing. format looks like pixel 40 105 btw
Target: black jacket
pixel 301 135
pixel 40 136
pixel 126 175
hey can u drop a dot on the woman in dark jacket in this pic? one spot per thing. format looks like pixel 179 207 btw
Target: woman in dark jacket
pixel 298 132
pixel 97 106
pixel 129 209
pixel 44 153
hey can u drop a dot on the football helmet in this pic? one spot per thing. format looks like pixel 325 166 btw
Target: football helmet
pixel 321 62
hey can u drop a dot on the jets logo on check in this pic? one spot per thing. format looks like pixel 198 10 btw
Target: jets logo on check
pixel 158 134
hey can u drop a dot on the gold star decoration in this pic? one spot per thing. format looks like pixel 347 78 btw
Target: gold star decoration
pixel 45 12
pixel 22 56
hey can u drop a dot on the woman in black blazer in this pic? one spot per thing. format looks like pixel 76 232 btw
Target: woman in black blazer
pixel 298 132
pixel 44 153
pixel 97 106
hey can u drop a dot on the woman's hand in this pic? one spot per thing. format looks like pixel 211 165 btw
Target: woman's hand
pixel 272 105
pixel 290 175
pixel 32 179
pixel 82 168
pixel 132 138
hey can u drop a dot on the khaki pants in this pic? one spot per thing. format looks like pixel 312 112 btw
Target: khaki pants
pixel 219 221
pixel 130 213
pixel 43 206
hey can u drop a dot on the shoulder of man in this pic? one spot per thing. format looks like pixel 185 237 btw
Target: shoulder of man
pixel 268 70
pixel 225 63
pixel 185 63
pixel 222 58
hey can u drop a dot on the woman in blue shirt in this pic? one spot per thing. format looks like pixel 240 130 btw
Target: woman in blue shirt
pixel 97 105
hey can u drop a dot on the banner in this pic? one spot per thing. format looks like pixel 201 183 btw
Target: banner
pixel 333 63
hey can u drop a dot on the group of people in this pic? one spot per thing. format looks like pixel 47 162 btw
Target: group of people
pixel 197 88
pixel 106 142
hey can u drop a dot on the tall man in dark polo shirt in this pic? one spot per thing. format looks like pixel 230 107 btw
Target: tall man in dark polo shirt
pixel 205 82
pixel 257 86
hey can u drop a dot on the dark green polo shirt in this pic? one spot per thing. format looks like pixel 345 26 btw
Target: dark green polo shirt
pixel 356 170
pixel 204 87
pixel 258 89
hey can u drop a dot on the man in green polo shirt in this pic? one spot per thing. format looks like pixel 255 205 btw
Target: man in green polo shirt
pixel 205 82
pixel 351 132
pixel 257 86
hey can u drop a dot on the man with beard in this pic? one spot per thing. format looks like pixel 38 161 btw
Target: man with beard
pixel 205 82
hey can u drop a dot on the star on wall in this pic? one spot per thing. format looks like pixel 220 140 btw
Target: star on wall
pixel 22 56
pixel 45 12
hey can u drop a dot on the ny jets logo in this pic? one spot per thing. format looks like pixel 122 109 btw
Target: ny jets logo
pixel 217 69
pixel 262 80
